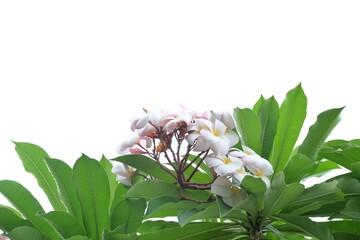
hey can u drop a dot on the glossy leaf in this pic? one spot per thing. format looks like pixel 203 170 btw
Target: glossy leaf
pixel 298 167
pixel 248 125
pixel 255 186
pixel 156 225
pixel 306 225
pixel 280 195
pixel 92 188
pixel 319 131
pixel 291 118
pixel 65 224
pixel 32 158
pixel 130 213
pixel 63 175
pixel 10 219
pixel 269 116
pixel 146 165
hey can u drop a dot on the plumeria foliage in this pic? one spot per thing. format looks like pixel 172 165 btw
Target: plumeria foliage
pixel 198 175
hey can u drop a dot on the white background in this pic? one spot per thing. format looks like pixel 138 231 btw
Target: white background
pixel 73 73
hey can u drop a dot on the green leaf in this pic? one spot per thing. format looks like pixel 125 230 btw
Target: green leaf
pixel 20 198
pixel 319 131
pixel 153 189
pixel 344 226
pixel 78 238
pixel 194 231
pixel 352 208
pixel 32 157
pixel 151 226
pixel 167 206
pixel 65 224
pixel 119 195
pixel 146 165
pixel 306 225
pixel 248 125
pixel 349 185
pixel 344 157
pixel 117 235
pixel 355 169
pixel 255 186
pixel 324 167
pixel 93 190
pixel 130 213
pixel 63 175
pixel 291 118
pixel 269 116
pixel 11 219
pixel 314 197
pixel 258 104
pixel 280 195
pixel 298 167
pixel 26 233
pixel 106 164
pixel 187 216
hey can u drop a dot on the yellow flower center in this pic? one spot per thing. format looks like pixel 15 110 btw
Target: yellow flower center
pixel 216 133
pixel 234 189
pixel 258 172
pixel 227 160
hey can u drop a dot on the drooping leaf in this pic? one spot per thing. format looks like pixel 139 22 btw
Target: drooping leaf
pixel 130 213
pixel 26 233
pixel 248 125
pixel 306 225
pixel 32 157
pixel 64 223
pixel 93 191
pixel 298 167
pixel 319 131
pixel 146 165
pixel 280 195
pixel 269 116
pixel 10 219
pixel 63 175
pixel 291 118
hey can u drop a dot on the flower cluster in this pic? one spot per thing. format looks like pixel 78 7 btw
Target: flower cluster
pixel 209 137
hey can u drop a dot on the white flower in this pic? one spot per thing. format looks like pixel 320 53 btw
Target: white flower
pixel 124 173
pixel 230 194
pixel 224 165
pixel 239 174
pixel 212 136
pixel 134 145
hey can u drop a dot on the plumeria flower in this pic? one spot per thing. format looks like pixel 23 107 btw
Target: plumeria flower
pixel 124 173
pixel 223 116
pixel 212 136
pixel 239 174
pixel 183 119
pixel 257 165
pixel 155 117
pixel 134 145
pixel 230 194
pixel 224 165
